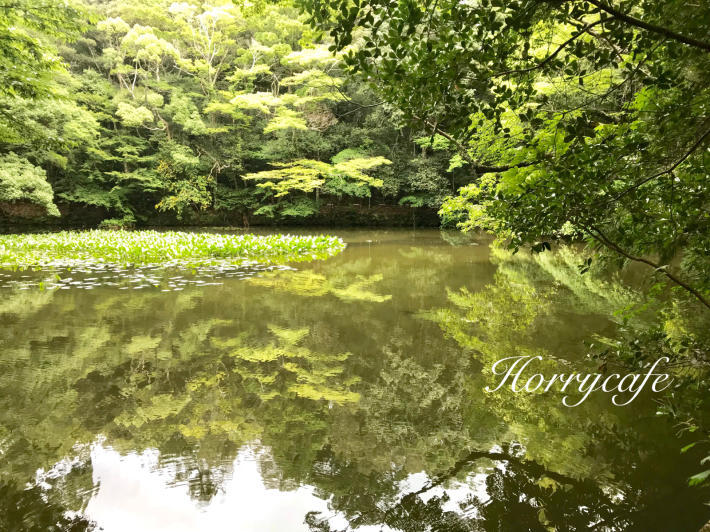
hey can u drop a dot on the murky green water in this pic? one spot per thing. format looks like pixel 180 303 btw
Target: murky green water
pixel 335 394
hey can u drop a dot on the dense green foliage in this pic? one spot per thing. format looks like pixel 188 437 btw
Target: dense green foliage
pixel 27 58
pixel 150 247
pixel 24 186
pixel 161 111
pixel 583 118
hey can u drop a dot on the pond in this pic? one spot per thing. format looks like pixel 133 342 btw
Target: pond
pixel 342 394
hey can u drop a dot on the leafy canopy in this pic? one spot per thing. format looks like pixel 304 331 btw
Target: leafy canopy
pixel 585 118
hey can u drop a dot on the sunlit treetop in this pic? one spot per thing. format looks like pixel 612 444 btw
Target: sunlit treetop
pixel 28 33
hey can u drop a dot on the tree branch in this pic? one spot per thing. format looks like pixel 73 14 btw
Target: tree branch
pixel 534 468
pixel 551 56
pixel 478 167
pixel 675 165
pixel 602 238
pixel 665 32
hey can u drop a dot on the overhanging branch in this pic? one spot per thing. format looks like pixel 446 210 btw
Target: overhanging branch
pixel 659 30
pixel 478 167
pixel 552 55
pixel 669 170
pixel 600 237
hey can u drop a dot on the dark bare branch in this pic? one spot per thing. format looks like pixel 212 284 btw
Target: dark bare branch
pixel 658 30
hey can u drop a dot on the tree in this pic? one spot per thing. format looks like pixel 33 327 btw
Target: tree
pixel 305 175
pixel 28 30
pixel 24 191
pixel 569 117
pixel 165 107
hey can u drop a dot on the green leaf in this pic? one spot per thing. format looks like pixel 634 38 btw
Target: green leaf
pixel 688 447
pixel 699 478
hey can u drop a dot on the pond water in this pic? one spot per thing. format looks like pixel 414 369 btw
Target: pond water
pixel 345 394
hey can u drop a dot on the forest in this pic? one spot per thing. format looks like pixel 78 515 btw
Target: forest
pixel 120 112
pixel 495 178
pixel 149 113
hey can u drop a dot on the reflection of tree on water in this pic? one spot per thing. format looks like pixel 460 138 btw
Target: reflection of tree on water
pixel 200 374
pixel 577 468
pixel 512 317
pixel 521 495
pixel 27 510
pixel 308 283
pixel 286 367
pixel 193 389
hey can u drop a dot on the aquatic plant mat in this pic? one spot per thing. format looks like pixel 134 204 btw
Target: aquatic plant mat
pixel 167 260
